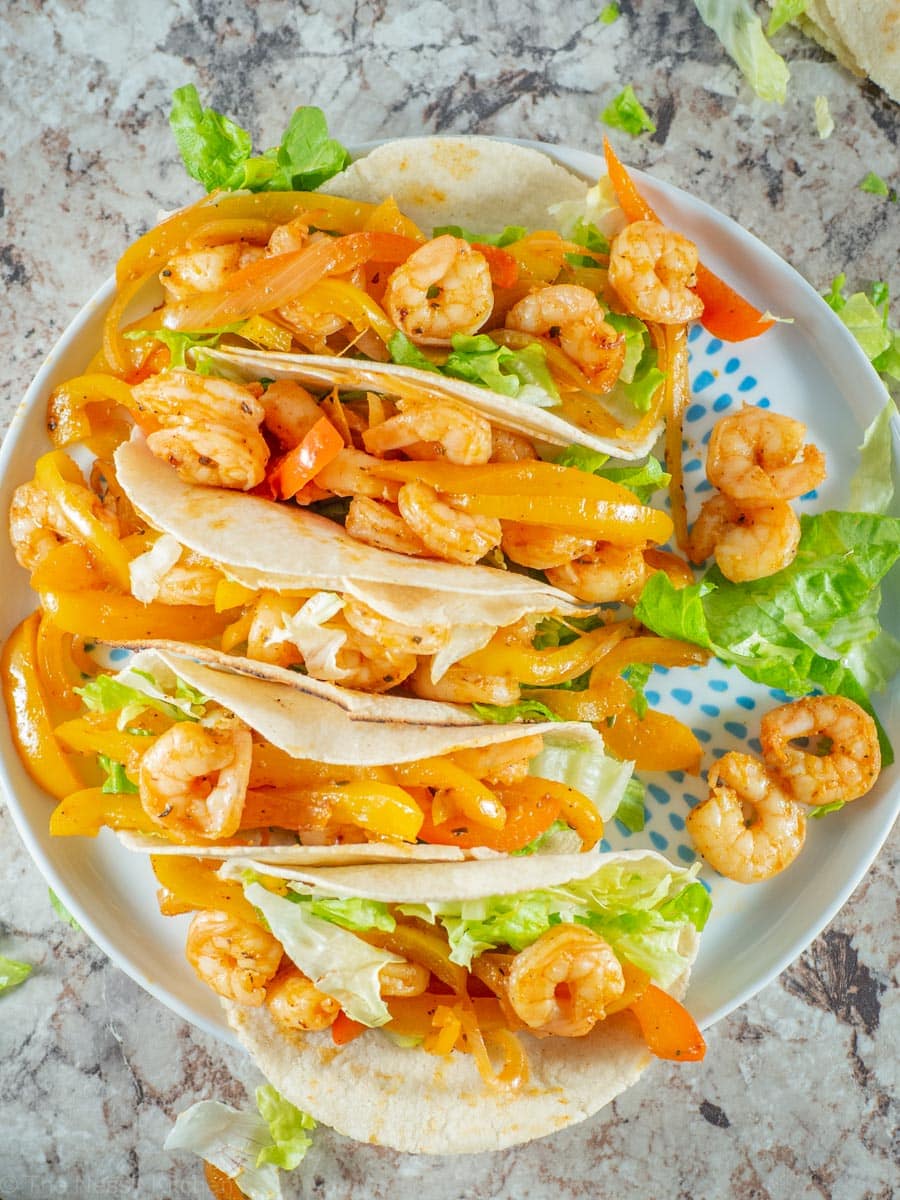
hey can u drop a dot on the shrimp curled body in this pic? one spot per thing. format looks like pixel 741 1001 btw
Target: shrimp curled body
pixel 462 435
pixel 296 1004
pixel 653 270
pixel 571 315
pixel 37 523
pixel 236 959
pixel 849 766
pixel 748 829
pixel 562 983
pixel 757 456
pixel 749 543
pixel 443 288
pixel 451 534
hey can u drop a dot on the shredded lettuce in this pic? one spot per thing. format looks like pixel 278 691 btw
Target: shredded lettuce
pixel 609 14
pixel 583 764
pixel 740 31
pixel 868 319
pixel 523 710
pixel 585 233
pixel 510 234
pixel 558 631
pixel 522 374
pixel 133 691
pixel 339 963
pixel 641 478
pixel 60 909
pixel 218 153
pixel 626 112
pixel 782 12
pixel 559 838
pixel 640 376
pixel 631 811
pixel 813 625
pixel 352 913
pixel 824 119
pixel 872 487
pixel 249 1147
pixel 640 908
pixel 12 973
pixel 637 676
pixel 179 341
pixel 876 186
pixel 116 781
pixel 598 210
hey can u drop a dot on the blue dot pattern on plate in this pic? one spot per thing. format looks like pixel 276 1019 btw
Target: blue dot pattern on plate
pixel 722 707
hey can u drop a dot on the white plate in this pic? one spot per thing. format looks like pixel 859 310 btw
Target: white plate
pixel 812 369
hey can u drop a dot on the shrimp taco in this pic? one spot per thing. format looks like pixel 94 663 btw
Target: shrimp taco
pixel 455 1008
pixel 201 761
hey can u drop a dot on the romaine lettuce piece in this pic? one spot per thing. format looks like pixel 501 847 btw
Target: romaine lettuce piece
pixel 510 234
pixel 12 973
pixel 585 766
pixel 523 710
pixel 740 31
pixel 626 112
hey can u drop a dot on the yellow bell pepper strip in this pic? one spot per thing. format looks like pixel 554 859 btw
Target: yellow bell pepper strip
pixel 382 809
pixel 29 721
pixel 222 231
pixel 84 813
pixel 672 340
pixel 425 946
pixel 668 1028
pixel 352 303
pixel 636 983
pixel 232 595
pixel 658 742
pixel 319 447
pixel 542 668
pixel 446 1031
pixel 595 705
pixel 678 571
pixel 63 482
pixel 67 420
pixel 726 314
pixel 120 356
pixel 528 477
pixel 114 618
pixel 267 334
pixel 513 1069
pixel 386 217
pixel 58 673
pixel 272 767
pixel 608 521
pixel 269 283
pixel 467 795
pixel 411 1016
pixel 96 733
pixel 237 631
pixel 528 815
pixel 151 252
pixel 541 255
pixel 574 807
pixel 661 652
pixel 192 883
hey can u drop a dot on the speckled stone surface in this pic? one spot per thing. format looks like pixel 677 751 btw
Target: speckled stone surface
pixel 796 1096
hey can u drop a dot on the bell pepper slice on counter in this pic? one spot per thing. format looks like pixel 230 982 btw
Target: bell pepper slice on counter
pixel 726 314
pixel 668 1028
pixel 319 447
pixel 30 724
pixel 122 618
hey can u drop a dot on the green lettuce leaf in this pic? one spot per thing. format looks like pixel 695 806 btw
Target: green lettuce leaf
pixel 12 973
pixel 551 632
pixel 585 233
pixel 637 676
pixel 693 904
pixel 289 1128
pixel 875 186
pixel 823 117
pixel 813 625
pixel 60 909
pixel 872 487
pixel 626 112
pixel 582 459
pixel 868 319
pixel 609 14
pixel 407 354
pixel 782 12
pixel 353 913
pixel 583 764
pixel 641 478
pixel 179 341
pixel 822 810
pixel 523 710
pixel 134 691
pixel 522 374
pixel 510 234
pixel 116 781
pixel 559 838
pixel 631 811
pixel 218 153
pixel 740 31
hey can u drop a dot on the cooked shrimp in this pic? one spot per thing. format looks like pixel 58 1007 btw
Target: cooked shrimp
pixel 369 666
pixel 653 270
pixel 293 235
pixel 205 269
pixel 748 829
pixel 352 473
pixel 562 983
pixel 236 959
pixel 265 637
pixel 604 575
pixel 506 763
pixel 290 411
pixel 753 457
pixel 393 635
pixel 507 446
pixel 572 316
pixel 462 435
pixel 193 779
pixel 841 757
pixel 749 543
pixel 403 979
pixel 459 685
pixel 296 1004
pixel 381 525
pixel 716 517
pixel 37 523
pixel 543 546
pixel 193 580
pixel 443 288
pixel 210 428
pixel 451 534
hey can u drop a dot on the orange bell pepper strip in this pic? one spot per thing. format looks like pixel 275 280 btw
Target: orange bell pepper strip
pixel 660 651
pixel 656 742
pixel 26 705
pixel 576 809
pixel 597 703
pixel 63 482
pixel 412 1016
pixel 530 811
pixel 541 668
pixel 503 266
pixel 221 1186
pixel 387 218
pixel 319 447
pixel 426 946
pixel 58 672
pixel 668 1028
pixel 468 795
pixel 194 884
pixel 608 521
pixel 344 1029
pixel 84 813
pixel 67 567
pixel 114 618
pixel 726 314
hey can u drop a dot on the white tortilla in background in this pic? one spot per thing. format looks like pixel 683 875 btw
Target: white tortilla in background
pixel 871 31
pixel 283 547
pixel 375 1091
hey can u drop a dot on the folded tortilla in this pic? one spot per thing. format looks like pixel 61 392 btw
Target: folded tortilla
pixel 376 1091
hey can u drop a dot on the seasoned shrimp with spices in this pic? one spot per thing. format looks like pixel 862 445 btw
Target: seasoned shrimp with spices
pixel 653 269
pixel 447 532
pixel 210 428
pixel 542 546
pixel 824 748
pixel 233 957
pixel 296 1004
pixel 193 580
pixel 37 524
pixel 749 543
pixel 563 982
pixel 205 269
pixel 748 829
pixel 460 685
pixel 193 779
pixel 393 635
pixel 461 435
pixel 403 979
pixel 604 575
pixel 757 456
pixel 443 288
pixel 571 316
pixel 380 524
pixel 290 411
pixel 505 763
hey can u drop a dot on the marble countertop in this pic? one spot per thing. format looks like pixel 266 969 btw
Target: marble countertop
pixel 795 1097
